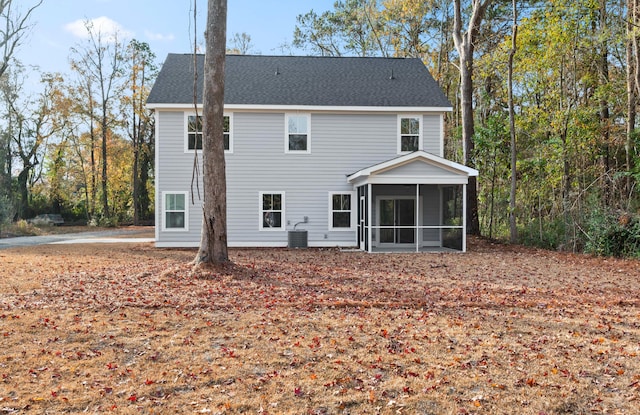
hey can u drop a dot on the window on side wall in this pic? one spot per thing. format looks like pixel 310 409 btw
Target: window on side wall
pixel 341 212
pixel 298 133
pixel 272 211
pixel 410 134
pixel 175 211
pixel 194 133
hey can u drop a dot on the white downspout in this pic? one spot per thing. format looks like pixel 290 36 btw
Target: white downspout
pixel 417 217
pixel 369 219
pixel 464 218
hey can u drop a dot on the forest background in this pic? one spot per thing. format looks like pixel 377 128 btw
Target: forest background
pixel 549 117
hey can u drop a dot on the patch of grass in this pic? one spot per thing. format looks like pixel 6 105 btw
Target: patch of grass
pixel 499 330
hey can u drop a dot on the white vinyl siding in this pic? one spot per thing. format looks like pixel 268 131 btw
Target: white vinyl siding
pixel 343 143
pixel 433 134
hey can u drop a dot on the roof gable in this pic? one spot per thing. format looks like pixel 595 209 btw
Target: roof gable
pixel 305 81
pixel 417 167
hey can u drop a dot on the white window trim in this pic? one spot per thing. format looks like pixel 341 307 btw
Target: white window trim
pixel 186 131
pixel 283 220
pixel 420 119
pixel 286 133
pixel 164 212
pixel 354 211
pixel 230 115
pixel 188 114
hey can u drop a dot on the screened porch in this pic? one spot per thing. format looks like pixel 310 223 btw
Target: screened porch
pixel 414 203
pixel 411 218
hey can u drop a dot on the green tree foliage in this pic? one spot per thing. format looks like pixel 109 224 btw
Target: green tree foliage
pixel 99 61
pixel 574 88
pixel 30 124
pixel 352 28
pixel 6 211
pixel 139 124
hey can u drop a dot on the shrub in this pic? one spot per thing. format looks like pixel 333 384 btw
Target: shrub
pixel 613 234
pixel 549 234
pixel 103 222
pixel 6 211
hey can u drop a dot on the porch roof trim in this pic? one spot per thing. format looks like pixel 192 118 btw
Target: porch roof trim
pixel 371 174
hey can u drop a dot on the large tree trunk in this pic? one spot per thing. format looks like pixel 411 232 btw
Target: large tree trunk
pixel 632 88
pixel 213 242
pixel 136 185
pixel 23 191
pixel 608 188
pixel 513 229
pixel 104 177
pixel 464 43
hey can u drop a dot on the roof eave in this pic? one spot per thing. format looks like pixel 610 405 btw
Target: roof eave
pixel 315 108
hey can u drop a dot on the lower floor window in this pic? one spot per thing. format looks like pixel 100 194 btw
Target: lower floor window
pixel 175 212
pixel 340 211
pixel 271 210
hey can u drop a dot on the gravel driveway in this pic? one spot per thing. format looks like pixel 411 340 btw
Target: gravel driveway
pixel 110 236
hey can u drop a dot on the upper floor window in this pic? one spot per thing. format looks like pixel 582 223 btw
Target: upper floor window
pixel 298 136
pixel 194 133
pixel 410 134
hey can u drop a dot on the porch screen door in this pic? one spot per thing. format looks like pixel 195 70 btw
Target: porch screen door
pixel 362 224
pixel 398 213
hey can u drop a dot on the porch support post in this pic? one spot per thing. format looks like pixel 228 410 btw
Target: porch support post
pixel 417 221
pixel 464 218
pixel 369 219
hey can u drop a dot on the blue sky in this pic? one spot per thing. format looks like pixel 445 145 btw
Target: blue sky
pixel 166 25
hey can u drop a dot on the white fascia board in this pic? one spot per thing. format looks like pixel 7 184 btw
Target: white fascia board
pixel 417 180
pixel 173 107
pixel 306 108
pixel 407 158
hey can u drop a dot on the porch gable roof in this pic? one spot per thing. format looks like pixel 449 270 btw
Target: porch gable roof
pixel 418 167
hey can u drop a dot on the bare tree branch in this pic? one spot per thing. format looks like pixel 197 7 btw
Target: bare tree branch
pixel 15 28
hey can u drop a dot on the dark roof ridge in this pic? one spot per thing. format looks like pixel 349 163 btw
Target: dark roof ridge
pixel 305 56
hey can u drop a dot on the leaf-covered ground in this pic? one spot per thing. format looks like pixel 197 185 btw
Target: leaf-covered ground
pixel 128 328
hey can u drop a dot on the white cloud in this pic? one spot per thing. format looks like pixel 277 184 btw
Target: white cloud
pixel 103 25
pixel 159 36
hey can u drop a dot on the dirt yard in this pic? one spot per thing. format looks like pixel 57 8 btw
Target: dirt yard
pixel 128 328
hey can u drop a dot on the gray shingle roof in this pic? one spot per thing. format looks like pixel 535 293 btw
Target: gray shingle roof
pixel 305 80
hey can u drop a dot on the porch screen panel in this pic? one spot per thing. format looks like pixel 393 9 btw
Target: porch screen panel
pixel 387 218
pixel 431 215
pixel 452 203
pixel 397 221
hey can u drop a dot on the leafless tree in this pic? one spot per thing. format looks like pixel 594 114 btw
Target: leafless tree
pixel 16 26
pixel 100 61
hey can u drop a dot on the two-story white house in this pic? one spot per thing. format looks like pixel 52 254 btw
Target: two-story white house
pixel 350 150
